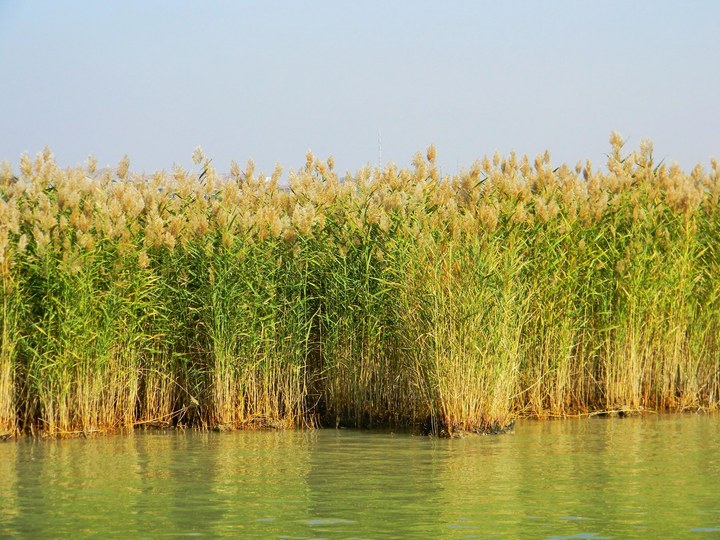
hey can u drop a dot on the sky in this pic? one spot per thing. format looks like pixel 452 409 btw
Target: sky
pixel 367 82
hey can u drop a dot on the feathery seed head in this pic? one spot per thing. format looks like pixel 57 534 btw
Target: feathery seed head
pixel 512 162
pixel 277 174
pixel 488 216
pixel 7 178
pixel 43 162
pixel 197 226
pixel 321 168
pixel 227 240
pixel 384 222
pixel 198 156
pixel 169 240
pixel 91 164
pixel 486 165
pixel 303 218
pixel 42 239
pixel 431 154
pixel 123 167
pixel 289 234
pixel 179 176
pixel 26 168
pixel 143 259
pixel 86 241
pixel 420 166
pixel 275 223
pixel 520 214
pixel 418 196
pixel 22 243
pixel 616 141
pixel 538 163
pixel 646 152
pixel 598 204
pixel 476 170
pixel 542 213
pixel 235 172
pixel 525 168
pixel 250 171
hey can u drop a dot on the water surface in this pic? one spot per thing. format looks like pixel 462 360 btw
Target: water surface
pixel 652 476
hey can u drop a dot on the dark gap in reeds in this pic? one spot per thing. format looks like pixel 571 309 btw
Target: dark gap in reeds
pixel 393 298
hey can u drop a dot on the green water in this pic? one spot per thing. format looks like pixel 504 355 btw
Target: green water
pixel 655 476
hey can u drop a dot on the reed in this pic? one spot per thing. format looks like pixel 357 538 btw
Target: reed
pixel 395 296
pixel 10 299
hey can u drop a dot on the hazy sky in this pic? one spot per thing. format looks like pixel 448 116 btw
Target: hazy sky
pixel 271 79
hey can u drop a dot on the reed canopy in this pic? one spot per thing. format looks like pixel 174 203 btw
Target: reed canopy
pixel 388 297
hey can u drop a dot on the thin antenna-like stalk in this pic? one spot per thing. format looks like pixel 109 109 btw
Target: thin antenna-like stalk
pixel 380 161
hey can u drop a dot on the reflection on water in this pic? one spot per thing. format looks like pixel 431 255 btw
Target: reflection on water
pixel 594 478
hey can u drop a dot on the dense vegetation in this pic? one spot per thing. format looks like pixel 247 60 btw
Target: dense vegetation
pixel 391 297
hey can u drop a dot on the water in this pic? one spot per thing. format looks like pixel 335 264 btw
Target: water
pixel 654 476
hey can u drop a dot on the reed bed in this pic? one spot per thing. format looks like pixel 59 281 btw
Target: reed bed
pixel 394 296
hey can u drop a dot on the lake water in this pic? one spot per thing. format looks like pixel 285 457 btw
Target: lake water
pixel 651 476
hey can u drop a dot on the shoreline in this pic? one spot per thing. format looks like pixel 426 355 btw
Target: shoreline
pixel 417 430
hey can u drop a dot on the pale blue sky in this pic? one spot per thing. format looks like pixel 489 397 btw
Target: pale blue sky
pixel 271 79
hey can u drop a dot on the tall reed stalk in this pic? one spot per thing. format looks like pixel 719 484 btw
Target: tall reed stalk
pixel 9 316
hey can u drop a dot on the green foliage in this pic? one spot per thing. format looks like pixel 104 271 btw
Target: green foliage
pixel 395 297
